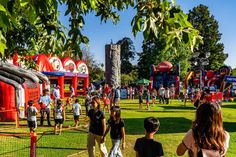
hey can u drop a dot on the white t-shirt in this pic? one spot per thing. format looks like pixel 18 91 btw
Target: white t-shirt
pixel 161 91
pixel 189 142
pixel 58 113
pixel 32 111
pixel 46 100
pixel 56 93
pixel 167 93
pixel 76 108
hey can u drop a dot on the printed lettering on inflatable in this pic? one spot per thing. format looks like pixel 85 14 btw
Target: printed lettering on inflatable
pixel 69 65
pixel 56 63
pixel 164 66
pixel 83 77
pixel 70 78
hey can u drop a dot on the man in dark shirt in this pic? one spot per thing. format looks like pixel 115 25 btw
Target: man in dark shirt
pixel 147 146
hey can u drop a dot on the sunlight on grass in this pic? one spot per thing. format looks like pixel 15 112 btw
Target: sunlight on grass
pixel 175 121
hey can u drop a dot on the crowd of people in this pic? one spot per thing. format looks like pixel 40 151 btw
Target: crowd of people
pixel 205 138
pixel 46 102
pixel 111 96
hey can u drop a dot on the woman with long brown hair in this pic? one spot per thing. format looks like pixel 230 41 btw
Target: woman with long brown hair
pixel 207 136
pixel 117 133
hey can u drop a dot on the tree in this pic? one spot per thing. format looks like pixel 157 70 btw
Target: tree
pixel 29 26
pixel 96 72
pixel 202 20
pixel 152 17
pixel 149 56
pixel 153 54
pixel 234 72
pixel 127 54
pixel 129 78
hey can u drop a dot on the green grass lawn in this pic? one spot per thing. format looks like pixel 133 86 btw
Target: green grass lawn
pixel 175 121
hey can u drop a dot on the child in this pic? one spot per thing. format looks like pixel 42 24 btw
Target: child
pixel 76 108
pixel 185 96
pixel 161 93
pixel 147 146
pixel 32 112
pixel 167 95
pixel 106 101
pixel 117 133
pixel 153 96
pixel 148 99
pixel 59 115
pixel 140 97
pixel 68 102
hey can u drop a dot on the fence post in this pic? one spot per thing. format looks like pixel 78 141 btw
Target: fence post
pixel 33 139
pixel 17 119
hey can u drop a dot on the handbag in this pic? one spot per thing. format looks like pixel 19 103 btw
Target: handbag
pixel 208 153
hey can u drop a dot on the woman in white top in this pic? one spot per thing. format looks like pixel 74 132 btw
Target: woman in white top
pixel 206 138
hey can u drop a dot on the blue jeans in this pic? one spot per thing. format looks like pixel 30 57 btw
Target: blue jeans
pixel 115 150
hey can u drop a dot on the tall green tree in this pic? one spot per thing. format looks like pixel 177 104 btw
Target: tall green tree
pixel 150 55
pixel 96 72
pixel 208 27
pixel 127 54
pixel 234 72
pixel 132 77
pixel 153 54
pixel 28 26
pixel 153 17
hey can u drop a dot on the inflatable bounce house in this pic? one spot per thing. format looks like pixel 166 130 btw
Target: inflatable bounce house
pixel 64 72
pixel 167 75
pixel 17 87
pixel 212 80
pixel 209 78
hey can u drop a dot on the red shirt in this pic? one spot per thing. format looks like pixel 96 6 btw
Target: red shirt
pixel 107 90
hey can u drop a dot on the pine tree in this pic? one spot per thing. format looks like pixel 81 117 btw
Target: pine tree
pixel 203 21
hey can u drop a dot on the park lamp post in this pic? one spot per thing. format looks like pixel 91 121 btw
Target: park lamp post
pixel 201 60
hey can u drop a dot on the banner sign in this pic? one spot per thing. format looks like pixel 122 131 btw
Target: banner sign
pixel 123 93
pixel 230 79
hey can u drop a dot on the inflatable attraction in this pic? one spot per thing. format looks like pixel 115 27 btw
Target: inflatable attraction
pixel 209 78
pixel 166 74
pixel 17 87
pixel 213 81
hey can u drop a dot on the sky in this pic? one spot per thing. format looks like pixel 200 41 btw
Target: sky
pixel 100 34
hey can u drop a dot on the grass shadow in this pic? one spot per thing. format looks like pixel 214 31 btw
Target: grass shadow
pixel 229 106
pixel 169 107
pixel 134 126
pixel 164 111
pixel 230 126
pixel 62 148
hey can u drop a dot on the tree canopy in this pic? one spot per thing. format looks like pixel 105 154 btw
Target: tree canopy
pixel 127 54
pixel 153 54
pixel 202 20
pixel 28 26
